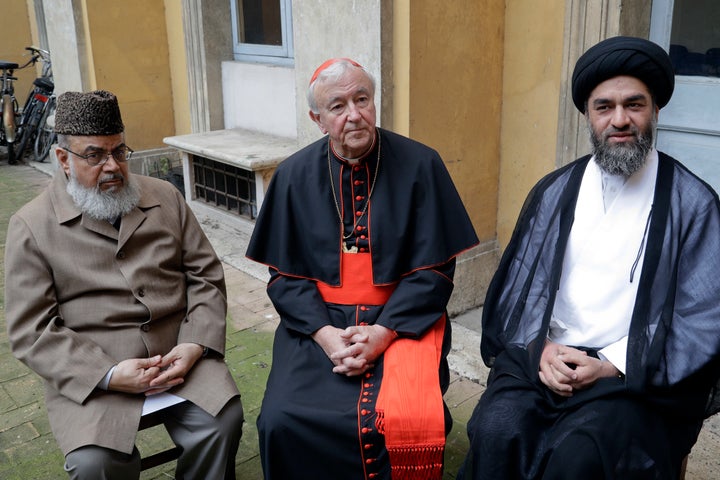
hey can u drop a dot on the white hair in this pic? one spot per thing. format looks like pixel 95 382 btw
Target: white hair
pixel 333 72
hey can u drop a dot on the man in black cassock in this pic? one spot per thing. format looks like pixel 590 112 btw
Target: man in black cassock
pixel 360 230
pixel 601 324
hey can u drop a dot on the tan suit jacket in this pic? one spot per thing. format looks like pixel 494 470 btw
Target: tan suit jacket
pixel 82 296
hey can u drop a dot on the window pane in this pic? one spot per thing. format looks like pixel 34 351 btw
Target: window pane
pixel 260 22
pixel 695 38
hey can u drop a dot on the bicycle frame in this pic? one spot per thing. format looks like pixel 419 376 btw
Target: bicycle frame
pixel 33 112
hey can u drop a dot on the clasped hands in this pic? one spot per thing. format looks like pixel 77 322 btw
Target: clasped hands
pixel 354 349
pixel 564 369
pixel 155 374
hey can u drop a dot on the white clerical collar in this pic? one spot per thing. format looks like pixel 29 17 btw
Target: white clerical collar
pixel 612 184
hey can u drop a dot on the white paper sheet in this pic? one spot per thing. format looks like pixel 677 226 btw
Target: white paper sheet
pixel 153 403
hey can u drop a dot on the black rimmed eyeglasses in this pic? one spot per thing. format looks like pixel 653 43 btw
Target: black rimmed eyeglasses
pixel 100 157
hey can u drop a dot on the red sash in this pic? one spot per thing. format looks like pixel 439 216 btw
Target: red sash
pixel 409 406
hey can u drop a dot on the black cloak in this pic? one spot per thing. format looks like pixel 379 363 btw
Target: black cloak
pixel 673 352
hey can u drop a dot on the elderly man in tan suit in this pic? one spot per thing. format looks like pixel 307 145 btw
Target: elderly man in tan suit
pixel 115 297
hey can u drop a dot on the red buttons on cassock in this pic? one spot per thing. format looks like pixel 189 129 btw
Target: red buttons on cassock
pixel 356 168
pixel 366 430
pixel 363 237
pixel 369 461
pixel 367 446
pixel 368 374
pixel 363 308
pixel 358 213
pixel 358 182
pixel 359 197
pixel 364 412
pixel 372 475
pixel 362 249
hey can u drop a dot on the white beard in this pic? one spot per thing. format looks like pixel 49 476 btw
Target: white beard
pixel 103 204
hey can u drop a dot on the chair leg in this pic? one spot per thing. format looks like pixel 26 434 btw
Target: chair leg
pixel 682 468
pixel 151 461
pixel 159 458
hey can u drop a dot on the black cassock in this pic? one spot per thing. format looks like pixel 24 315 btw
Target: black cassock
pixel 413 228
pixel 636 427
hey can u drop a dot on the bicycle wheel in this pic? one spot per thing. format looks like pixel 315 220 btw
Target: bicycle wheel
pixel 11 153
pixel 46 133
pixel 8 126
pixel 27 130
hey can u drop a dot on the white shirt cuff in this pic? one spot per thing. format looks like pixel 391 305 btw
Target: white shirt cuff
pixel 105 382
pixel 616 353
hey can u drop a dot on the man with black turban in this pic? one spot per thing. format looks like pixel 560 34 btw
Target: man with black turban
pixel 601 323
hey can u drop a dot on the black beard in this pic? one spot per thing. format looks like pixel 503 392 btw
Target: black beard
pixel 625 158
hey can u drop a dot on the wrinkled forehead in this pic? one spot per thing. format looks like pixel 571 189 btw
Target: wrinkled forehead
pixel 96 142
pixel 621 87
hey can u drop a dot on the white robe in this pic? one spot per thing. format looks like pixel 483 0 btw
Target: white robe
pixel 602 263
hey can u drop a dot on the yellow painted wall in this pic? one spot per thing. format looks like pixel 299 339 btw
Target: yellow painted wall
pixel 530 102
pixel 178 66
pixel 15 35
pixel 128 43
pixel 454 93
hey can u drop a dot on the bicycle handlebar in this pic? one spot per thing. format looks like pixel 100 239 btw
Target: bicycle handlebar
pixel 39 54
pixel 43 53
pixel 32 61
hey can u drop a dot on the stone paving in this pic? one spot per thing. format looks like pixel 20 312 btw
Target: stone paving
pixel 28 450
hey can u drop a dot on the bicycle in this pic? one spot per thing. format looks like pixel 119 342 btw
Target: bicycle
pixel 46 135
pixel 36 108
pixel 9 108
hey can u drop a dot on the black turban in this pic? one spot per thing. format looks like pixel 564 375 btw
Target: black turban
pixel 635 57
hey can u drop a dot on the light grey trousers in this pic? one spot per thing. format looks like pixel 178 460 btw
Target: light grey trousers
pixel 209 447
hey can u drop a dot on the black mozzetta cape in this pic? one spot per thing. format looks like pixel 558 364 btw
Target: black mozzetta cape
pixel 418 220
pixel 674 339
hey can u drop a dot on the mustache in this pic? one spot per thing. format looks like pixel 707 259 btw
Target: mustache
pixel 107 177
pixel 627 129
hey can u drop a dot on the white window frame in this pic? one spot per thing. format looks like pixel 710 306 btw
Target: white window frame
pixel 273 54
pixel 661 22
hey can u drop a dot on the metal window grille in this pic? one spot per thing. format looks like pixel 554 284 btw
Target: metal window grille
pixel 225 186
